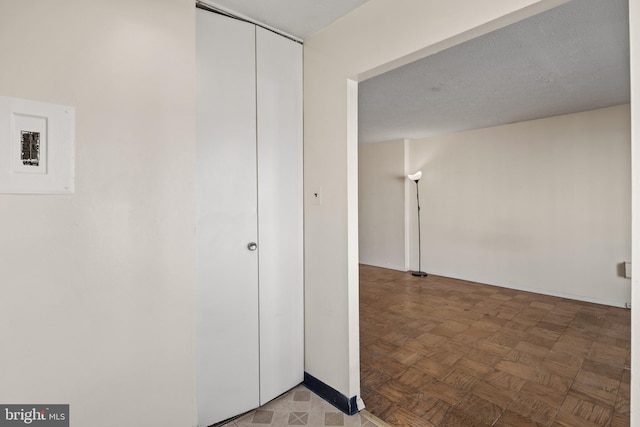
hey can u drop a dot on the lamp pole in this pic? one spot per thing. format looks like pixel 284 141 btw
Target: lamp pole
pixel 416 177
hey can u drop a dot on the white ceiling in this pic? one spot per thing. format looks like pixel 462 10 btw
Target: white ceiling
pixel 572 58
pixel 569 59
pixel 299 18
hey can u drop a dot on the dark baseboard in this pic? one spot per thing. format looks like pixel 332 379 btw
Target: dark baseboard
pixel 331 395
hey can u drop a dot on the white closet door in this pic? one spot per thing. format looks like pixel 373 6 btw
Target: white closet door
pixel 227 336
pixel 279 86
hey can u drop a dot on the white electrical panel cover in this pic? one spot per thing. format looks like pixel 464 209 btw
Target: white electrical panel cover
pixel 36 147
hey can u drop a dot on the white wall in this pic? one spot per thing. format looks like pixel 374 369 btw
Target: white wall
pixel 97 306
pixel 381 201
pixel 380 35
pixel 634 35
pixel 543 205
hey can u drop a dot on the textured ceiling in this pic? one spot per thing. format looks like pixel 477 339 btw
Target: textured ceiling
pixel 569 59
pixel 299 18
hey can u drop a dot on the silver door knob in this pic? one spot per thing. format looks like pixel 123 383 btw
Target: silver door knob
pixel 252 246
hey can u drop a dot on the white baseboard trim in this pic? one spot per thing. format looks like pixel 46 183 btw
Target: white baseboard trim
pixel 547 292
pixel 387 266
pixel 612 303
pixel 568 296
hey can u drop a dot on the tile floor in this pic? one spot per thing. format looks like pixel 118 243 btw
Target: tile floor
pixel 445 352
pixel 301 407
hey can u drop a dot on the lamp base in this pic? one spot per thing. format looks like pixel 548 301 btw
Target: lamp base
pixel 419 273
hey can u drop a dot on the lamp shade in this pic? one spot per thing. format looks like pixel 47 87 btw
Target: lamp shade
pixel 416 176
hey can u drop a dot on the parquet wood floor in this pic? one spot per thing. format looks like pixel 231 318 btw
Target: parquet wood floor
pixel 443 352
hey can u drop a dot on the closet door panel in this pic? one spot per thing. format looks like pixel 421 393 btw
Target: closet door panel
pixel 227 271
pixel 280 207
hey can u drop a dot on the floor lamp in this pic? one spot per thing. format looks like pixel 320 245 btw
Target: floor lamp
pixel 415 178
